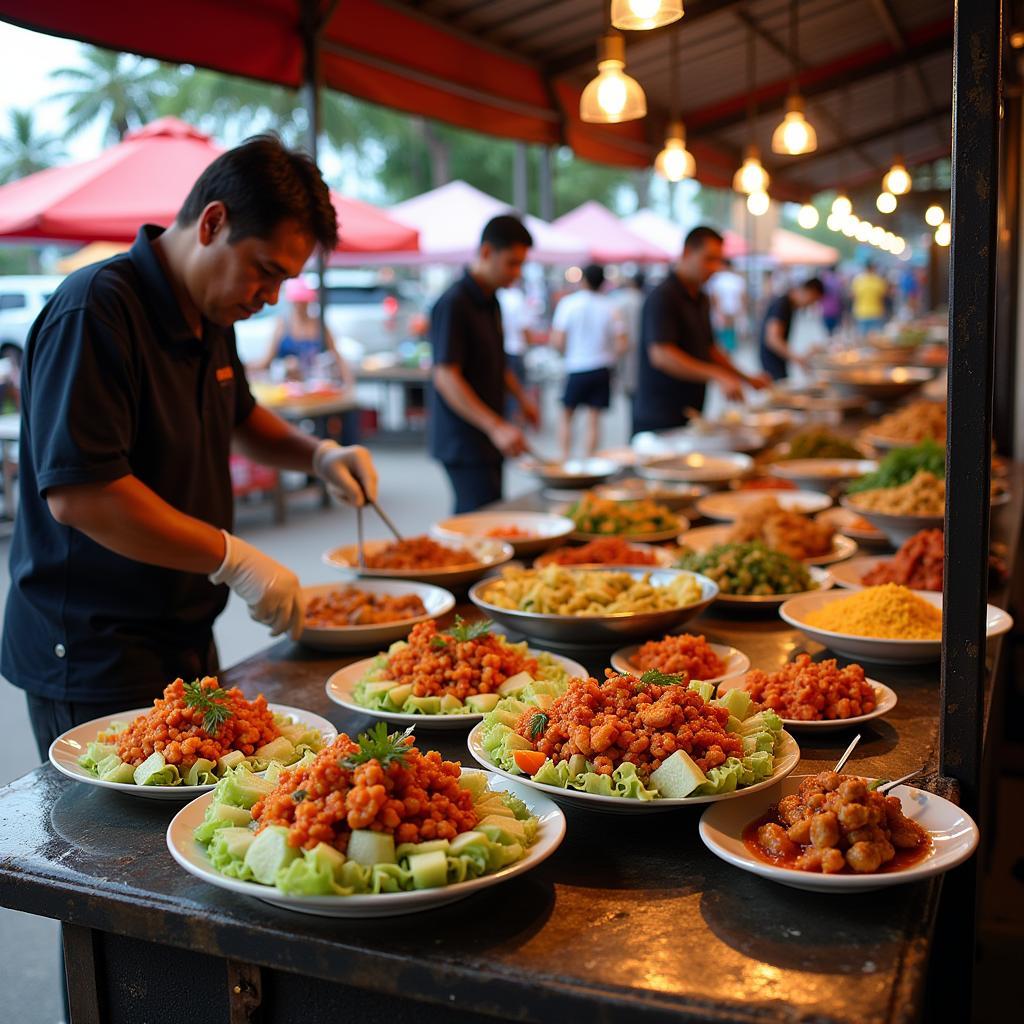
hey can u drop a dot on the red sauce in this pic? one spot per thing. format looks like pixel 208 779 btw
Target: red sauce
pixel 903 858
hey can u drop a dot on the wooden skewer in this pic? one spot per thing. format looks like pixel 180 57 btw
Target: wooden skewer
pixel 898 782
pixel 359 537
pixel 846 754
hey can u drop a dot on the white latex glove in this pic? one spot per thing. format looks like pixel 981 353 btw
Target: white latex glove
pixel 271 591
pixel 349 472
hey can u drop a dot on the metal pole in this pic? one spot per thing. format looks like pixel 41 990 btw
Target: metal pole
pixel 520 179
pixel 977 84
pixel 546 185
pixel 311 102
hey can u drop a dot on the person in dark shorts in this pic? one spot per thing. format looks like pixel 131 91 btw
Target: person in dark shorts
pixel 678 354
pixel 775 352
pixel 469 434
pixel 588 327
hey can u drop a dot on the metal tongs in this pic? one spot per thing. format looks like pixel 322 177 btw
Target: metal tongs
pixel 359 529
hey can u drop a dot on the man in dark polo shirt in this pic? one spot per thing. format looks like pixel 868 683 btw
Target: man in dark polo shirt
pixel 469 434
pixel 776 355
pixel 678 356
pixel 132 396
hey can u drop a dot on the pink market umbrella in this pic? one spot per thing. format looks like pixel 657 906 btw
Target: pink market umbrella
pixel 143 180
pixel 608 239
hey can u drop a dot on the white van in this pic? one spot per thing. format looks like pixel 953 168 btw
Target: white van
pixel 22 298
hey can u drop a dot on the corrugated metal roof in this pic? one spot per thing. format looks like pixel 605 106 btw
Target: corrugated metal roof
pixel 847 50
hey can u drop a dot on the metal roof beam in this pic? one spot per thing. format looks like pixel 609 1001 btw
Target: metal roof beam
pixel 899 41
pixel 818 81
pixel 583 57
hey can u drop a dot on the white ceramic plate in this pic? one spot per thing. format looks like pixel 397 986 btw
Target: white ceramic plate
pixel 698 467
pixel 953 833
pixel 725 506
pixel 573 473
pixel 341 686
pixel 481 557
pixel 544 529
pixel 822 473
pixel 192 857
pixel 633 488
pixel 437 602
pixel 704 538
pixel 651 537
pixel 786 759
pixel 862 648
pixel 843 519
pixel 849 574
pixel 736 662
pixel 885 701
pixel 664 559
pixel 897 528
pixel 67 748
pixel 757 602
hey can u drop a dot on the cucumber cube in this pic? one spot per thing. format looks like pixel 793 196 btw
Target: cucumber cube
pixel 268 853
pixel 429 870
pixel 398 695
pixel 678 776
pixel 368 847
pixel 482 702
pixel 515 683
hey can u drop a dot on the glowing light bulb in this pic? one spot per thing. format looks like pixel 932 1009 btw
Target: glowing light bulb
pixel 897 180
pixel 898 246
pixel 863 231
pixel 841 205
pixel 877 236
pixel 640 15
pixel 612 97
pixel 943 234
pixel 794 135
pixel 934 215
pixel 850 226
pixel 807 218
pixel 758 203
pixel 675 162
pixel 751 177
pixel 834 222
pixel 886 202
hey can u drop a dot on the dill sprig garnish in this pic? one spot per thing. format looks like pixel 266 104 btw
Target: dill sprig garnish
pixel 380 745
pixel 212 701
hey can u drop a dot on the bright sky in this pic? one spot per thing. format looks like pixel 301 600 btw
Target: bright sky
pixel 29 57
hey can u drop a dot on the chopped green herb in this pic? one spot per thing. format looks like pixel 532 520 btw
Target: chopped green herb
pixel 212 701
pixel 299 795
pixel 462 632
pixel 380 745
pixel 652 677
pixel 538 725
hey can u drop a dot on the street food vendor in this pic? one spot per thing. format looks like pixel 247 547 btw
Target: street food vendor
pixel 678 356
pixel 775 347
pixel 469 434
pixel 133 396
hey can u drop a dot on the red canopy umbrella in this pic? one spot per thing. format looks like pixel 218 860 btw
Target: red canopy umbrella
pixel 143 180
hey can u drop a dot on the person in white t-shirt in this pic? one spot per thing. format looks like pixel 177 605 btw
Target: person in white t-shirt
pixel 519 327
pixel 589 329
pixel 728 292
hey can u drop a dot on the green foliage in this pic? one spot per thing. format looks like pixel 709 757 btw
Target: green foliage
pixel 380 745
pixel 23 150
pixel 212 701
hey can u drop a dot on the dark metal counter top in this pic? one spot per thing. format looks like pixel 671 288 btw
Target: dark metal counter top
pixel 632 919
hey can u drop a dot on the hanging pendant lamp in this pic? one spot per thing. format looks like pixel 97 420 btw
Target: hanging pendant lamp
pixel 675 162
pixel 640 15
pixel 751 176
pixel 897 179
pixel 612 97
pixel 795 135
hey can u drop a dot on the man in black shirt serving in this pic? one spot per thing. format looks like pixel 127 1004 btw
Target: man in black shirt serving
pixel 132 396
pixel 469 434
pixel 678 356
pixel 774 347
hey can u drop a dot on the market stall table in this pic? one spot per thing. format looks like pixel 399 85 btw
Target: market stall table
pixel 632 919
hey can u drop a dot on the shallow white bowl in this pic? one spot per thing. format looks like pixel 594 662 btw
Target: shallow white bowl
pixel 897 528
pixel 341 687
pixel 700 467
pixel 704 538
pixel 67 748
pixel 736 662
pixel 787 756
pixel 664 559
pixel 481 557
pixel 545 529
pixel 885 701
pixel 822 474
pixel 849 574
pixel 192 857
pixel 725 506
pixel 861 648
pixel 437 602
pixel 953 833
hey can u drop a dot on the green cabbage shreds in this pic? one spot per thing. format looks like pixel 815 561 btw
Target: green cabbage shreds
pixel 750 569
pixel 901 465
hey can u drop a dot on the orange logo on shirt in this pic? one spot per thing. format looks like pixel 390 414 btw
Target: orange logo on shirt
pixel 224 374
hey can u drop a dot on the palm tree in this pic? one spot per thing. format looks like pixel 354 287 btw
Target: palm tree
pixel 119 88
pixel 23 150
